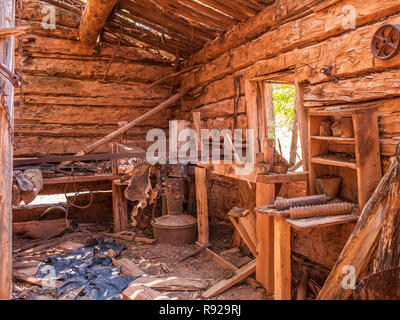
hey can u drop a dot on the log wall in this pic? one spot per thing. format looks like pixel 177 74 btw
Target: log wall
pixel 301 37
pixel 71 99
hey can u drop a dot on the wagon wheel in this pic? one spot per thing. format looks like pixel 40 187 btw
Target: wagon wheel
pixel 386 42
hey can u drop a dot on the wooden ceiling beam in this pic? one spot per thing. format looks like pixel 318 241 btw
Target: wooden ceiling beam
pixel 200 7
pixel 167 45
pixel 94 18
pixel 240 6
pixel 133 28
pixel 176 7
pixel 150 12
pixel 251 4
pixel 225 9
pixel 156 27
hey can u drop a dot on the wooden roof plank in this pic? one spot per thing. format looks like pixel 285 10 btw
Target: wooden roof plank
pixel 193 14
pixel 200 7
pixel 153 14
pixel 163 30
pixel 223 7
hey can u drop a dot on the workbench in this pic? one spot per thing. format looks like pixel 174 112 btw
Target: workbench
pixel 272 233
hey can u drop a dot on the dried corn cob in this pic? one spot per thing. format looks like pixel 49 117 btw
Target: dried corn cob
pixel 330 209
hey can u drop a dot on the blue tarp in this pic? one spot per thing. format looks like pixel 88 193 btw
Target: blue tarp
pixel 88 267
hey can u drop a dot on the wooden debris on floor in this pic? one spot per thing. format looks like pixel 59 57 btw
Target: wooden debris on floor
pixel 172 283
pixel 225 284
pixel 44 229
pixel 128 267
pixel 244 223
pixel 130 236
pixel 70 246
pixel 142 292
pixel 27 272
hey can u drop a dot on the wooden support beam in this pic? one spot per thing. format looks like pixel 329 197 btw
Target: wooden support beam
pixel 15 31
pixel 94 18
pixel 7 17
pixel 265 238
pixel 282 267
pixel 202 205
pixel 120 207
pixel 303 124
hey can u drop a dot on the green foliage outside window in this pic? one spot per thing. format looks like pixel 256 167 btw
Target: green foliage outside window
pixel 284 100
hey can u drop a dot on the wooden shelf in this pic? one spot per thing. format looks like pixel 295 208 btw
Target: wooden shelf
pixel 334 161
pixel 319 222
pixel 283 178
pixel 335 139
pixel 340 112
pixel 80 179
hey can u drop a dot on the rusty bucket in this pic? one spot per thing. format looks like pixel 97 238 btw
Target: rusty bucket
pixel 384 285
pixel 175 230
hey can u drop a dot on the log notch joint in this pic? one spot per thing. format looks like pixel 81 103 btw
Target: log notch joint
pixel 94 18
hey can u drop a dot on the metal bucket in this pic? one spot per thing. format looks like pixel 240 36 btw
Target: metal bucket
pixel 175 230
pixel 384 285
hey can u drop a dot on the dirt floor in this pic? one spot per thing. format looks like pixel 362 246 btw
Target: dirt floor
pixel 158 260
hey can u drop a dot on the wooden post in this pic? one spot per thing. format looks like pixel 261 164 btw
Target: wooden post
pixel 265 238
pixel 252 107
pixel 202 205
pixel 94 18
pixel 303 124
pixel 124 137
pixel 7 16
pixel 282 266
pixel 120 207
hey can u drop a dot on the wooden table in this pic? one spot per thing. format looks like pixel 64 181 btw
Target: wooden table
pixel 281 243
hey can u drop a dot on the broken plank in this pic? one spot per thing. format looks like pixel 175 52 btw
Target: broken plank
pixel 224 285
pixel 172 283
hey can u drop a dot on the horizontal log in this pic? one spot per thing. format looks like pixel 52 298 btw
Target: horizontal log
pixel 224 108
pixel 252 28
pixel 370 87
pixel 350 55
pixel 43 85
pixel 62 32
pixel 91 101
pixel 95 69
pixel 212 93
pixel 66 47
pixel 63 130
pixel 35 10
pixel 59 146
pixel 312 30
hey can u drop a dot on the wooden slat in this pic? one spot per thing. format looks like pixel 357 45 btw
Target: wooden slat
pixel 227 9
pixel 224 285
pixel 7 15
pixel 150 12
pixel 202 205
pixel 320 222
pixel 78 179
pixel 265 238
pixel 282 256
pixel 188 12
pixel 283 178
